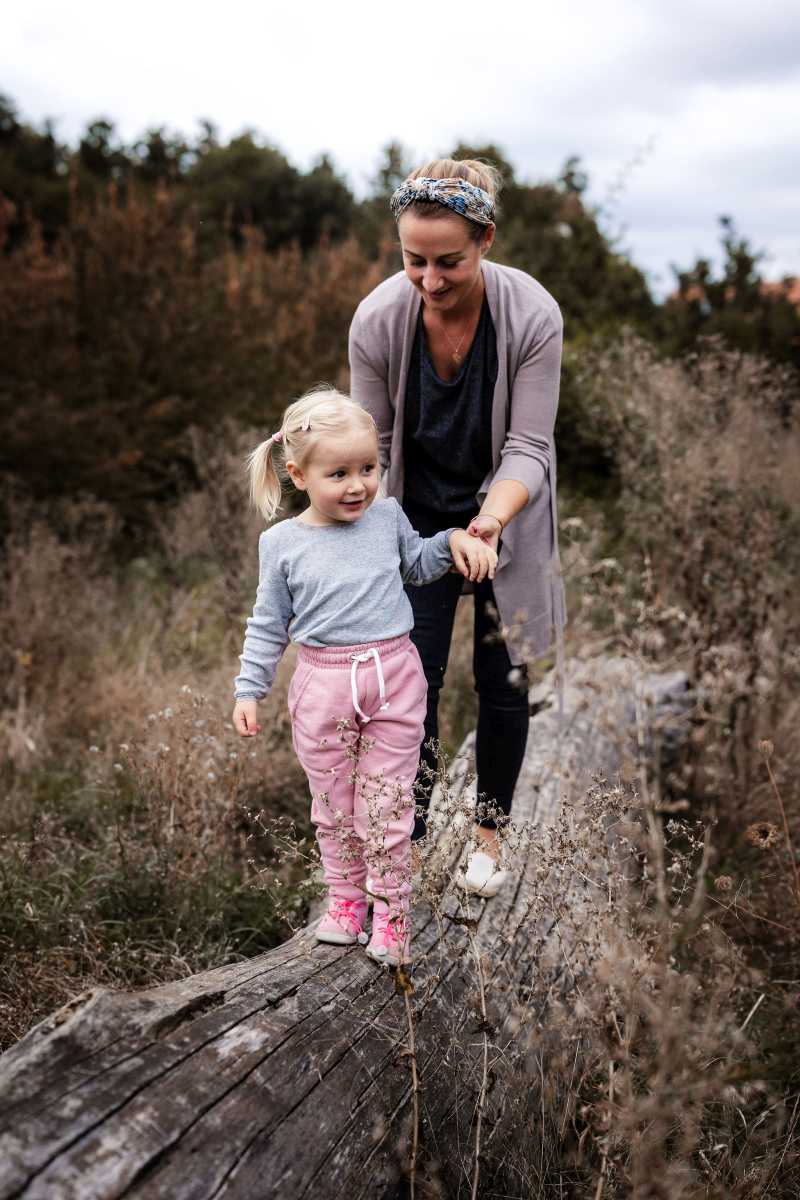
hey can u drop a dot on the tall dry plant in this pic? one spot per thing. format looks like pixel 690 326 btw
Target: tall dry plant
pixel 123 857
pixel 708 457
pixel 703 577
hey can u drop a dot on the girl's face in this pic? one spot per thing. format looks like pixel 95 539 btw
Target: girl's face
pixel 441 258
pixel 340 476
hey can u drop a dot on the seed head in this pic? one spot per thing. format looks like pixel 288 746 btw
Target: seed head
pixel 763 834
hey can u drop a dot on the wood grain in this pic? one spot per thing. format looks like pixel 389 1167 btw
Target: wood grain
pixel 288 1075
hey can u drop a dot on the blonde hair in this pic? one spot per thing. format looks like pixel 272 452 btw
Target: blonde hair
pixel 322 412
pixel 480 174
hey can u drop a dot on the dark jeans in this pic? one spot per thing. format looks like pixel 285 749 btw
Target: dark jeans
pixel 503 712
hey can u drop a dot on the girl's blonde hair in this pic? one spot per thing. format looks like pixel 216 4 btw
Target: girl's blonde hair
pixel 322 412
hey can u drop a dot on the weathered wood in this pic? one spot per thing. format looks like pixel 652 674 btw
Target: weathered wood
pixel 288 1075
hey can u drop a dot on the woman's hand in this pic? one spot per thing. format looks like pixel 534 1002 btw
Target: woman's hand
pixel 487 528
pixel 245 718
pixel 472 556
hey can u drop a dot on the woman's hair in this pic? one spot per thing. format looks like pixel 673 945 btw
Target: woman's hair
pixel 479 174
pixel 322 412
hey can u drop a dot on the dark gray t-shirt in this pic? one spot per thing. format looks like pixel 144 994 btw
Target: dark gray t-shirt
pixel 448 424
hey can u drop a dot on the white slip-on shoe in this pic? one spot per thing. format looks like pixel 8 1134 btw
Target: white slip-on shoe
pixel 483 877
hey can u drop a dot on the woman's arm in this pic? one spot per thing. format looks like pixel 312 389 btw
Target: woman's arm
pixel 369 386
pixel 525 456
pixel 423 560
pixel 503 501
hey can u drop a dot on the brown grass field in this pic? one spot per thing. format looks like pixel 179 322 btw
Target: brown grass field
pixel 128 850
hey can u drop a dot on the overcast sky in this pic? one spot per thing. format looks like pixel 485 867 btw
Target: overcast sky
pixel 680 109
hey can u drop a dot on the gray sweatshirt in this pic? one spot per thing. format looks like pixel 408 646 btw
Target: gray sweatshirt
pixel 335 585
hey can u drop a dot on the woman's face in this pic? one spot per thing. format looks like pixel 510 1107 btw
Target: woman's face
pixel 441 258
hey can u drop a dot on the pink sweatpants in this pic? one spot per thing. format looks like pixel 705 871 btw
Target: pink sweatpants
pixel 358 715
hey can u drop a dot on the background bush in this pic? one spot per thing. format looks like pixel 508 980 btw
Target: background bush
pixel 159 306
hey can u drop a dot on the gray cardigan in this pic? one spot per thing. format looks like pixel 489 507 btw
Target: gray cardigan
pixel 528 586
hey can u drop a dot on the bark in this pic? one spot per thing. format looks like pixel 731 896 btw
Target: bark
pixel 291 1074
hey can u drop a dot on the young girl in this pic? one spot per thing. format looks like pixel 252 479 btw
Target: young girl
pixel 331 580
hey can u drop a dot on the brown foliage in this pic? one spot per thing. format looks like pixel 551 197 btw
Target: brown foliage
pixel 131 329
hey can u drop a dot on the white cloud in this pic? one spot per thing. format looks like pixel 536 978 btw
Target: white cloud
pixel 713 90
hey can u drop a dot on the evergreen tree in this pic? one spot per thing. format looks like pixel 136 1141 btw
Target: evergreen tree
pixel 247 182
pixel 33 175
pixel 547 230
pixel 736 304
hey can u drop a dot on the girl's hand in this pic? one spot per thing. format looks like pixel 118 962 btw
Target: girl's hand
pixel 472 557
pixel 245 718
pixel 487 528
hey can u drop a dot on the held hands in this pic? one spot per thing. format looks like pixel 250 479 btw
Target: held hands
pixel 245 718
pixel 487 528
pixel 474 558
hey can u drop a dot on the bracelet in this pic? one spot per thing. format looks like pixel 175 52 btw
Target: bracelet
pixel 494 518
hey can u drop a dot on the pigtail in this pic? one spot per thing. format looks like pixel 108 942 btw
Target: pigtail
pixel 265 482
pixel 321 411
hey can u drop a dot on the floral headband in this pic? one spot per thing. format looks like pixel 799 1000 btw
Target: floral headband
pixel 463 198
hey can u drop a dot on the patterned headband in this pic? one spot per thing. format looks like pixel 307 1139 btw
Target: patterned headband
pixel 463 198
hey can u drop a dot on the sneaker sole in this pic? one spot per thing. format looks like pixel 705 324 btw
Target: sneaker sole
pixel 384 960
pixel 336 939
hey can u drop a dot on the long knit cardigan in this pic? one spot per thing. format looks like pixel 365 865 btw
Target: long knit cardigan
pixel 528 326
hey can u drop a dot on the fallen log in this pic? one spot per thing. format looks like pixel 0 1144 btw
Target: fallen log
pixel 308 1070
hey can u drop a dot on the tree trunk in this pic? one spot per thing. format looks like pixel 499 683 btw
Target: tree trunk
pixel 299 1072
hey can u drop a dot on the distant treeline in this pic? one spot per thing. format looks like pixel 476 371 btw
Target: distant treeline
pixel 149 287
pixel 230 190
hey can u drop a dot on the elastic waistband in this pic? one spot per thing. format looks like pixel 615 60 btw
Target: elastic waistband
pixel 340 656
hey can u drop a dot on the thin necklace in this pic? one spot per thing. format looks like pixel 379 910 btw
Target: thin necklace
pixel 457 356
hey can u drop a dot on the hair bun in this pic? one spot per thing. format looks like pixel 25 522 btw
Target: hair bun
pixel 483 175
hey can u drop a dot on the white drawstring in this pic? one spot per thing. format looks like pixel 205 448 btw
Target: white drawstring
pixel 355 659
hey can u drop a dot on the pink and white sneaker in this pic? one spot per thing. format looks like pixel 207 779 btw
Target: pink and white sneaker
pixel 390 943
pixel 343 923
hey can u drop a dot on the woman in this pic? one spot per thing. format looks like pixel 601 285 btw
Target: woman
pixel 458 361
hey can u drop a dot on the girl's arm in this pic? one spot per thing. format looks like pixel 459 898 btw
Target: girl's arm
pixel 267 633
pixel 422 560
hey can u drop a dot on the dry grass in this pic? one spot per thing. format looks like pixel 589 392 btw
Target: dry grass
pixel 666 1065
pixel 123 857
pixel 693 1019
